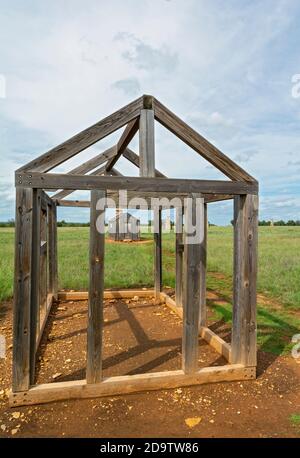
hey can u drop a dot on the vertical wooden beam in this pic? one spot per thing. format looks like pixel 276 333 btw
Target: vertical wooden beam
pixel 179 255
pixel 52 237
pixel 96 288
pixel 245 272
pixel 147 169
pixel 158 257
pixel 146 136
pixel 203 267
pixel 35 279
pixel 191 290
pixel 22 290
pixel 43 262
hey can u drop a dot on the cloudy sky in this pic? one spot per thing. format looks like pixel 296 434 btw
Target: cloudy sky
pixel 224 67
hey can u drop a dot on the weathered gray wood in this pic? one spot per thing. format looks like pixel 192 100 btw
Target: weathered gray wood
pixel 245 272
pixel 179 256
pixel 98 172
pixel 147 153
pixel 135 160
pixel 86 138
pixel 147 169
pixel 128 134
pixel 43 264
pixel 199 143
pixel 203 262
pixel 96 290
pixel 87 167
pixel 35 279
pixel 191 290
pixel 125 384
pixel 22 290
pixel 158 258
pixel 52 237
pixel 171 185
pixel 73 203
pixel 130 195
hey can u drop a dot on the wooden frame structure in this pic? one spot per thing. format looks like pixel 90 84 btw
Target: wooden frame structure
pixel 36 255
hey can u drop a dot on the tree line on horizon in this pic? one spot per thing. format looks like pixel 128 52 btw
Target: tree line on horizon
pixel 63 223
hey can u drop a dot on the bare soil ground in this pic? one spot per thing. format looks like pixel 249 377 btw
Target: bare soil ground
pixel 140 337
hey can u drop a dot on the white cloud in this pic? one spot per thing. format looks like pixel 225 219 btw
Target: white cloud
pixel 225 67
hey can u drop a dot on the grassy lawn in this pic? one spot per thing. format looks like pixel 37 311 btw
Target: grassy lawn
pixel 130 265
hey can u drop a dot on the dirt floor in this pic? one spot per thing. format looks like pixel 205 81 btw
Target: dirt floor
pixel 140 337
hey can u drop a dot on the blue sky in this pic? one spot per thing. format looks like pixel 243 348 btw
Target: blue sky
pixel 224 67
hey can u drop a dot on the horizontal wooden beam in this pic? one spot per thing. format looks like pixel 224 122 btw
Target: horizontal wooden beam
pixel 114 195
pixel 112 386
pixel 108 294
pixel 86 138
pixel 171 185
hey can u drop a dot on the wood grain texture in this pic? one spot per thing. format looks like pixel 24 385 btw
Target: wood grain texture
pixel 203 266
pixel 199 143
pixel 126 384
pixel 53 260
pixel 245 273
pixel 86 138
pixel 35 278
pixel 22 290
pixel 147 149
pixel 96 289
pixel 191 287
pixel 157 184
pixel 43 272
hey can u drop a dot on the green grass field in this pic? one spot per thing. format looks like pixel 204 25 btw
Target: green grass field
pixel 130 265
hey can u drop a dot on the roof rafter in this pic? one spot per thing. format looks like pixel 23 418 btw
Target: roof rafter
pixel 86 138
pixel 199 143
pixel 88 166
pixel 98 172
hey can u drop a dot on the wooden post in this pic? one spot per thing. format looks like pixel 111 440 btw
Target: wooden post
pixel 158 257
pixel 147 154
pixel 191 280
pixel 96 289
pixel 52 237
pixel 35 280
pixel 147 169
pixel 22 290
pixel 43 262
pixel 179 256
pixel 245 272
pixel 203 267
